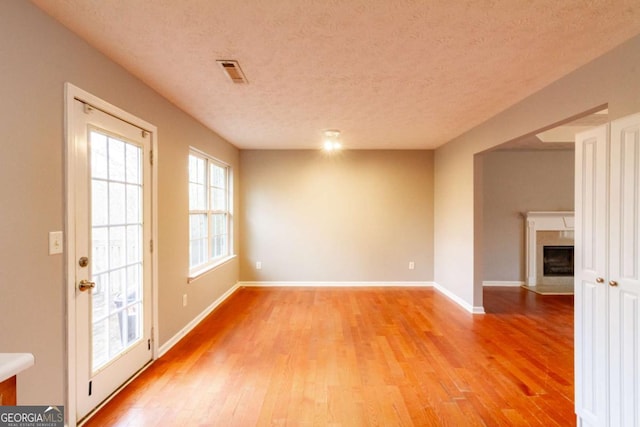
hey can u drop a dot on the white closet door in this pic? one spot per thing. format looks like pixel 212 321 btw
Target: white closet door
pixel 624 272
pixel 591 348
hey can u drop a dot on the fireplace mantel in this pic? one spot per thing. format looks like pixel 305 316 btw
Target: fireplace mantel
pixel 542 221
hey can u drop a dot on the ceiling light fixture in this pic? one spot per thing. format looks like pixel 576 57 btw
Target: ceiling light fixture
pixel 332 140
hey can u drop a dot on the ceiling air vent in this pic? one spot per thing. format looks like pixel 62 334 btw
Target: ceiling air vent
pixel 232 70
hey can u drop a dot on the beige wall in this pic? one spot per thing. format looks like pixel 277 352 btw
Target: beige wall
pixel 355 216
pixel 516 182
pixel 38 57
pixel 612 79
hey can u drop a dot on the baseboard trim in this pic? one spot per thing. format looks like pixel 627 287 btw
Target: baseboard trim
pixel 266 284
pixel 505 283
pixel 455 298
pixel 199 318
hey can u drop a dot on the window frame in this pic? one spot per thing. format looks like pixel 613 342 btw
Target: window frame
pixel 211 262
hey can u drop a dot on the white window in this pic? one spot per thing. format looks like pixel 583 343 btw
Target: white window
pixel 209 211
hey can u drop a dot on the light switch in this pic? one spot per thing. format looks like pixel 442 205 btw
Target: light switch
pixel 55 242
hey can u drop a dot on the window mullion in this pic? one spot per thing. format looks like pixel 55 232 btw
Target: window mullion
pixel 209 225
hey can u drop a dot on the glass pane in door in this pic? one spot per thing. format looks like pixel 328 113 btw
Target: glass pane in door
pixel 116 235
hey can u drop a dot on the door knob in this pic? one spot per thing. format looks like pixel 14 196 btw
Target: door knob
pixel 85 285
pixel 613 283
pixel 599 280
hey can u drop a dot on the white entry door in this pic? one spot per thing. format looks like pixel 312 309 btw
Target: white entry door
pixel 112 216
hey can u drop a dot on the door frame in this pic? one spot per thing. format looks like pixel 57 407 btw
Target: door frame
pixel 72 93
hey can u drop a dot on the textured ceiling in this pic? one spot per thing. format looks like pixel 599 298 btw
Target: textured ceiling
pixel 387 73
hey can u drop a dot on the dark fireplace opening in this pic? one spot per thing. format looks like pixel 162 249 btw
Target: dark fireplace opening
pixel 557 260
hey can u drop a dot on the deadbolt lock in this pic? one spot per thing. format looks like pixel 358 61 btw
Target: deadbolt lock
pixel 83 262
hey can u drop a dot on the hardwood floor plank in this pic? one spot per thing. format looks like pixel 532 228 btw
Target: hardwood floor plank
pixel 360 356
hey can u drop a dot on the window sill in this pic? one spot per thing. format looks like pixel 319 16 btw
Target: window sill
pixel 195 274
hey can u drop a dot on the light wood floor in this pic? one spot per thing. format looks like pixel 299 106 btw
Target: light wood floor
pixel 362 357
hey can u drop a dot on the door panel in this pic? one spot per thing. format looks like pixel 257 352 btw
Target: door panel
pixel 590 272
pixel 624 268
pixel 112 231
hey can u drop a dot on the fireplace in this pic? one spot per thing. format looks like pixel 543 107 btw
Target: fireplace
pixel 557 261
pixel 549 248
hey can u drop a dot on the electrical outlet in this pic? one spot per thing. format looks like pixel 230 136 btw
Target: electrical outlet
pixel 55 242
pixel 184 300
pixel 412 265
pixel 259 265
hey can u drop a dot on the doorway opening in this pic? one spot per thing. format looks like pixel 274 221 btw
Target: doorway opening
pixel 533 173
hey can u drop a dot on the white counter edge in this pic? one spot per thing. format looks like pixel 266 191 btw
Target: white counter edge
pixel 13 363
